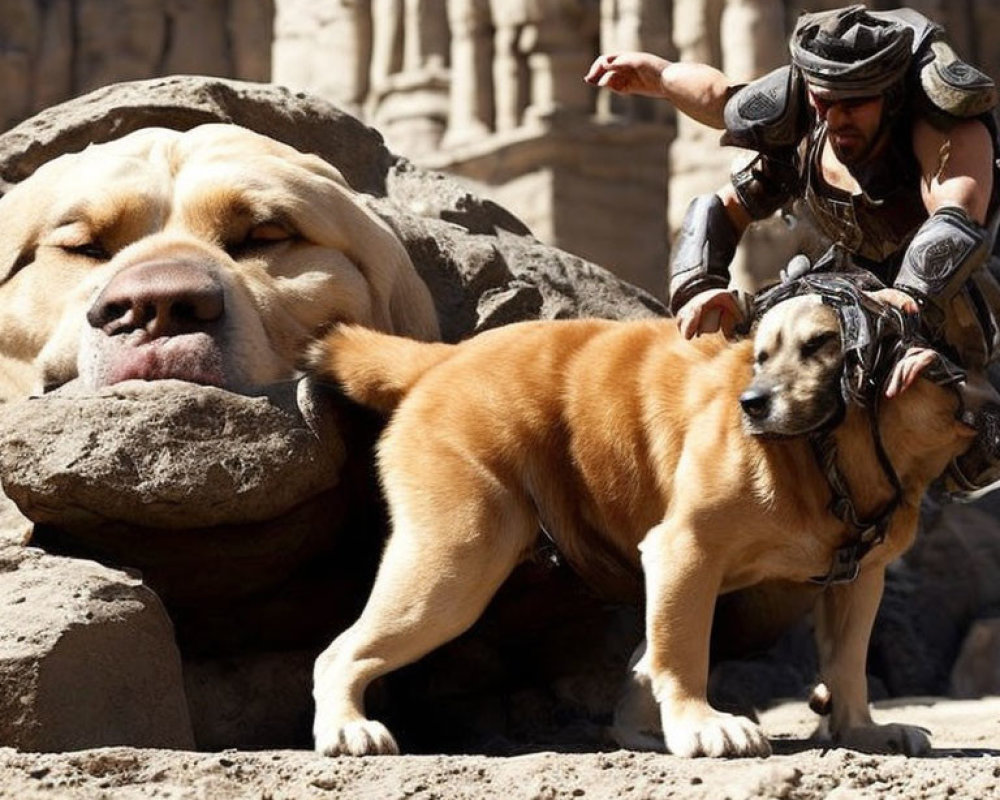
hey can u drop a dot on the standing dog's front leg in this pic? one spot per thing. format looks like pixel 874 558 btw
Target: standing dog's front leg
pixel 844 619
pixel 682 583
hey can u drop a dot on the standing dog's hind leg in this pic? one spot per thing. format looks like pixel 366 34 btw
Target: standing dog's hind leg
pixel 844 619
pixel 439 570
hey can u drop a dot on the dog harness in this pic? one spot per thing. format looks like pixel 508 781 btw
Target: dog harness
pixel 875 337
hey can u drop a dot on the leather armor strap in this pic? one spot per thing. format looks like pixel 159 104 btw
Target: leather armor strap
pixel 767 183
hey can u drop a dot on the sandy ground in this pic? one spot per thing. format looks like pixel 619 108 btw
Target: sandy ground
pixel 964 764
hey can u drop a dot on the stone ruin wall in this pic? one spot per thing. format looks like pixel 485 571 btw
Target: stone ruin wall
pixel 489 90
pixel 52 50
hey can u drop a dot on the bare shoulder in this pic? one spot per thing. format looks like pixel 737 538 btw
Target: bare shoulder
pixel 968 140
pixel 956 164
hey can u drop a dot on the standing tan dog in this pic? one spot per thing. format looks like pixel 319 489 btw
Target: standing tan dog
pixel 633 449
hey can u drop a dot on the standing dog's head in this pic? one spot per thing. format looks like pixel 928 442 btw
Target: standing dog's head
pixel 210 256
pixel 798 359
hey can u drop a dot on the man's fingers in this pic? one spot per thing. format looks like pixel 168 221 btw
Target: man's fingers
pixel 687 321
pixel 898 299
pixel 607 80
pixel 909 368
pixel 599 70
pixel 711 320
pixel 709 312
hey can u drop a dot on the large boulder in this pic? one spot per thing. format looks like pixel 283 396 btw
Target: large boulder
pixel 87 658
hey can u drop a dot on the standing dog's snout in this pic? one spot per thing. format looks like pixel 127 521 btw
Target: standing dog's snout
pixel 164 298
pixel 756 402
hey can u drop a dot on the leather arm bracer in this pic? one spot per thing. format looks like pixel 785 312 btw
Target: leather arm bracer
pixel 703 251
pixel 942 255
pixel 767 183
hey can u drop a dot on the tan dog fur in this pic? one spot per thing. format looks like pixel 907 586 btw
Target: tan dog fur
pixel 279 233
pixel 629 445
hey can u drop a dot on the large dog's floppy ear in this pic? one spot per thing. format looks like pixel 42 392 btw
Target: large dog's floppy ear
pixel 410 306
pixel 401 301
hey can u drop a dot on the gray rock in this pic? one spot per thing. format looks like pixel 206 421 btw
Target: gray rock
pixel 167 454
pixel 15 528
pixel 87 658
pixel 182 102
pixel 976 672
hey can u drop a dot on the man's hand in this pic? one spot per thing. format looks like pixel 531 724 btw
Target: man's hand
pixel 908 369
pixel 708 312
pixel 629 73
pixel 896 299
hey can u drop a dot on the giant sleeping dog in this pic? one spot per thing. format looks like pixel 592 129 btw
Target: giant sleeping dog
pixel 210 256
pixel 633 449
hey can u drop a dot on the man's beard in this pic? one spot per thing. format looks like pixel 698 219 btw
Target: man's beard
pixel 856 150
pixel 860 149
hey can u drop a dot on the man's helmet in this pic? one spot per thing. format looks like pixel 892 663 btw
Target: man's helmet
pixel 850 52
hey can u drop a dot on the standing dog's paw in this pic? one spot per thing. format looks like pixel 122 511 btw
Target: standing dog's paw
pixel 906 740
pixel 362 737
pixel 716 735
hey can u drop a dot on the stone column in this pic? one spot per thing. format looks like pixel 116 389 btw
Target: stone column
pixel 560 41
pixel 324 48
pixel 408 99
pixel 20 31
pixel 510 76
pixel 425 35
pixel 387 45
pixel 634 25
pixel 470 106
pixel 752 38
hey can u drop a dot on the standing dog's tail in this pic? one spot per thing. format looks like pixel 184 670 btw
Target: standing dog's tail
pixel 373 368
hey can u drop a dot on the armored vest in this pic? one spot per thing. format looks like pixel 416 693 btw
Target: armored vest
pixel 876 225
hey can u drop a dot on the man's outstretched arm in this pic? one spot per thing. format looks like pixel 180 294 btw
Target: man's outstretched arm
pixel 696 90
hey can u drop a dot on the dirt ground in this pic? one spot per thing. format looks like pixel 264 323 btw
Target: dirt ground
pixel 964 764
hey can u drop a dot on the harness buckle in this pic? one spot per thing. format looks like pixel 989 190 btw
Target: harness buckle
pixel 846 565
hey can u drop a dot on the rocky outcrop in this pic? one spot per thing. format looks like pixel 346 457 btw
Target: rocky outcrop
pixel 87 658
pixel 175 456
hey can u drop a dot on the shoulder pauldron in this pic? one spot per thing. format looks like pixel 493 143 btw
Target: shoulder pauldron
pixel 767 114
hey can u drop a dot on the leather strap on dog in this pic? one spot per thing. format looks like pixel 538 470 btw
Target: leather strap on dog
pixel 864 534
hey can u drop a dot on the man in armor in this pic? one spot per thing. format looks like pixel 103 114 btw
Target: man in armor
pixel 889 140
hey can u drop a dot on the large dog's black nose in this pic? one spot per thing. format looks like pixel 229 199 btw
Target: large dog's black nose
pixel 756 402
pixel 164 298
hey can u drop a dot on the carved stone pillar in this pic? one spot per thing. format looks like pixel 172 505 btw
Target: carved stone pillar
pixel 635 25
pixel 752 38
pixel 470 115
pixel 324 48
pixel 560 41
pixel 510 68
pixel 408 98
